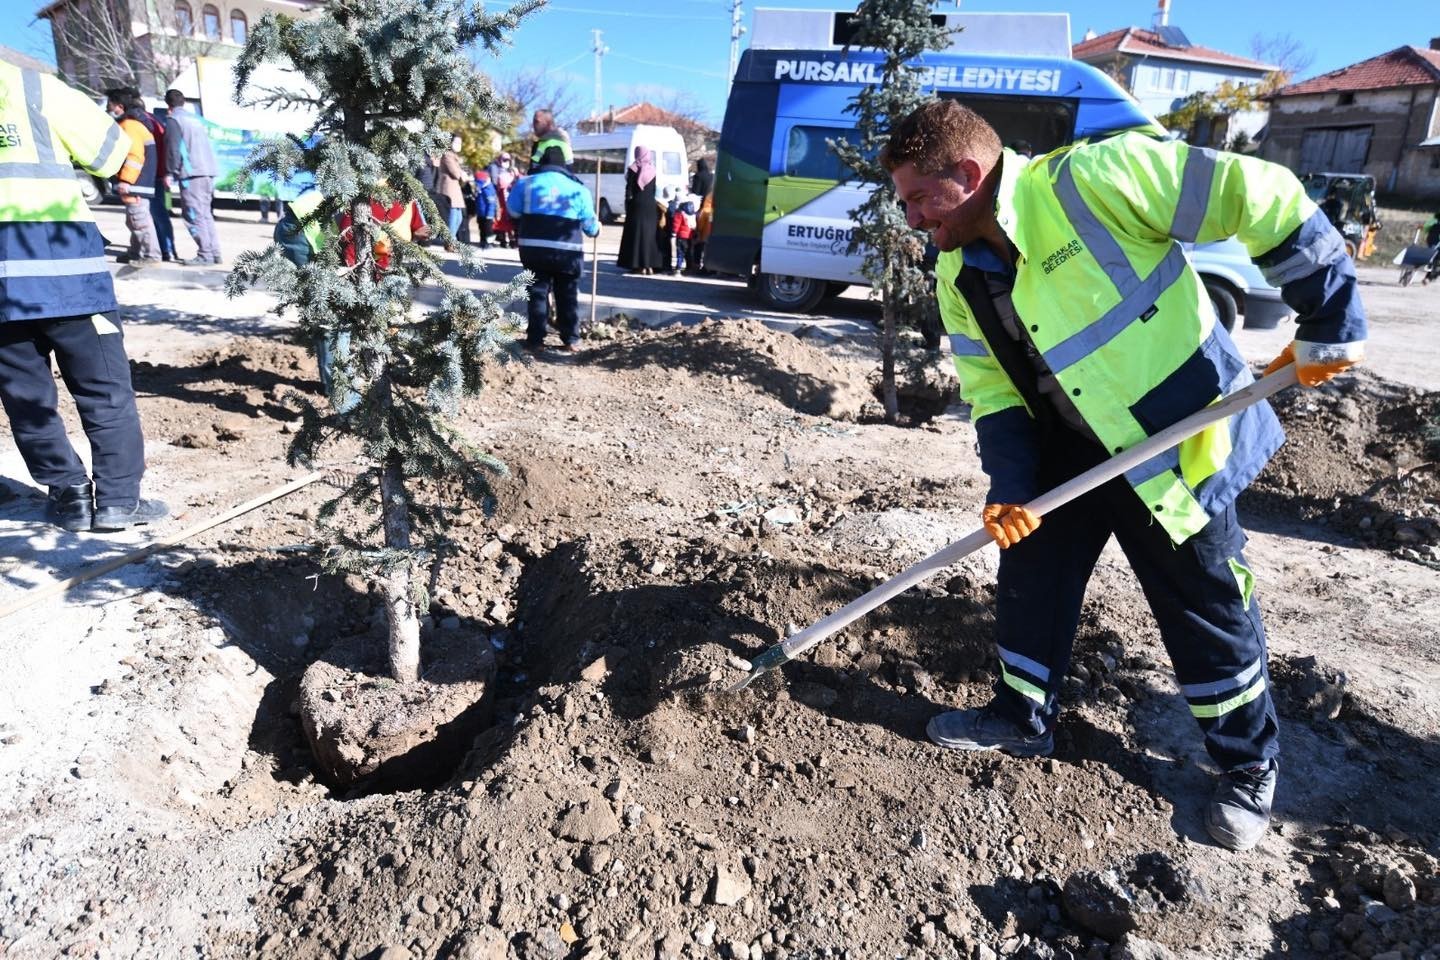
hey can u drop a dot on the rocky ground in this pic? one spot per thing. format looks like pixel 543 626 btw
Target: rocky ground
pixel 677 501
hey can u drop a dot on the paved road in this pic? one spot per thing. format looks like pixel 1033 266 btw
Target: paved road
pixel 1404 320
pixel 653 300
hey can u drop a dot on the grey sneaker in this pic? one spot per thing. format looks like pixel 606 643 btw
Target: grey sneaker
pixel 131 515
pixel 1239 812
pixel 983 729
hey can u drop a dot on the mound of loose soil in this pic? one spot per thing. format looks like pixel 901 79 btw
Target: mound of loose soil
pixel 1361 457
pixel 676 504
pixel 627 807
pixel 801 375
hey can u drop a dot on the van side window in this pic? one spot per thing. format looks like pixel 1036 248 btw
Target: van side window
pixel 670 164
pixel 808 155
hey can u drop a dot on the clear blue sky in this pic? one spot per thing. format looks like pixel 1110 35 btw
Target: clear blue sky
pixel 661 49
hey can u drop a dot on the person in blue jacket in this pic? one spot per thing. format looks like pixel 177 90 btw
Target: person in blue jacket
pixel 487 205
pixel 554 213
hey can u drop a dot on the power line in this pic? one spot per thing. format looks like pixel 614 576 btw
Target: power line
pixel 623 13
pixel 668 66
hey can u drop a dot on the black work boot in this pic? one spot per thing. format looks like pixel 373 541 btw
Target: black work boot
pixel 71 508
pixel 134 514
pixel 1239 813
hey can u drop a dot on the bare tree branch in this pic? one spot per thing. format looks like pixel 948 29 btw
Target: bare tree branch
pixel 105 43
pixel 1284 51
pixel 533 88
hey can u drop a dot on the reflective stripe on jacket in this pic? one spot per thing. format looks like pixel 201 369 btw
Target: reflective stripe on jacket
pixel 554 213
pixel 1111 302
pixel 139 168
pixel 52 258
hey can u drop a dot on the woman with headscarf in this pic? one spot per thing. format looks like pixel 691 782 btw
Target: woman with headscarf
pixel 639 253
pixel 703 181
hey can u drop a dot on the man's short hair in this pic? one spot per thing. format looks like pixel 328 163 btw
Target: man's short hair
pixel 938 135
pixel 117 95
pixel 174 98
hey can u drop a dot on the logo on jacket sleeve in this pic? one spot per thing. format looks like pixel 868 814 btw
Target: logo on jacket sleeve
pixel 1071 249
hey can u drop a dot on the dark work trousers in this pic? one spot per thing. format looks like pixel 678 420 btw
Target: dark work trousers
pixel 567 310
pixel 90 352
pixel 164 228
pixel 1201 593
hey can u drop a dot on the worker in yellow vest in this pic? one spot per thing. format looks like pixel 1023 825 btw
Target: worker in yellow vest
pixel 1078 329
pixel 57 299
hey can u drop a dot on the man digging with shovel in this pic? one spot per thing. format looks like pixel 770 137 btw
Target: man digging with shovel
pixel 1079 329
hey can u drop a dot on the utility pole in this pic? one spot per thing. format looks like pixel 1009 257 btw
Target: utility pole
pixel 600 50
pixel 736 31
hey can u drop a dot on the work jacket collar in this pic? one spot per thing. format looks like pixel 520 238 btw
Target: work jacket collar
pixel 979 254
pixel 561 169
pixel 1011 166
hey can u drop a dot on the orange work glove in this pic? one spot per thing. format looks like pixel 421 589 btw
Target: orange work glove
pixel 1008 523
pixel 1316 363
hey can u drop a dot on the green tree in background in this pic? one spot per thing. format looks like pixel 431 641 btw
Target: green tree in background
pixel 385 75
pixel 903 30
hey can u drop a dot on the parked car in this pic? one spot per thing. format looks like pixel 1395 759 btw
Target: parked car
pixel 1236 286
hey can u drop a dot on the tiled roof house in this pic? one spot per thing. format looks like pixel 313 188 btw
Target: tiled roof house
pixel 1160 74
pixel 1380 116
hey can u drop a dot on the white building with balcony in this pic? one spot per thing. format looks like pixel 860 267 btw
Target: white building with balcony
pixel 105 43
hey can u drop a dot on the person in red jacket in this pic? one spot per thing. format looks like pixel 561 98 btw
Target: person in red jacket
pixel 403 217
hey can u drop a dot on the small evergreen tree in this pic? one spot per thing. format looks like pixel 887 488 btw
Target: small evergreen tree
pixel 902 29
pixel 385 75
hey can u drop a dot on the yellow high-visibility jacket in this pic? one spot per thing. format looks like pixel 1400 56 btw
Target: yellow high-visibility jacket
pixel 52 258
pixel 1109 299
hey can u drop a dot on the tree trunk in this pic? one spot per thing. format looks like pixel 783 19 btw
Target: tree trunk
pixel 397 585
pixel 887 363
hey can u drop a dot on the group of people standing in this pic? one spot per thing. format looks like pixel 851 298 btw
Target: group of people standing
pixel 461 196
pixel 665 232
pixel 174 154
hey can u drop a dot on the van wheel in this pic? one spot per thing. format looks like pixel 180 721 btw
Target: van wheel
pixel 1226 310
pixel 792 294
pixel 606 214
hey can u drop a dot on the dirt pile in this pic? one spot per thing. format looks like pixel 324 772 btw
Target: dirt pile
pixel 794 370
pixel 625 806
pixel 1375 896
pixel 675 505
pixel 1363 458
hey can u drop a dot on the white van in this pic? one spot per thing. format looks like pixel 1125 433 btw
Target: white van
pixel 615 150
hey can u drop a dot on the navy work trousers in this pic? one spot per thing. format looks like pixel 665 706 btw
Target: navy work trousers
pixel 1201 593
pixel 567 308
pixel 90 352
